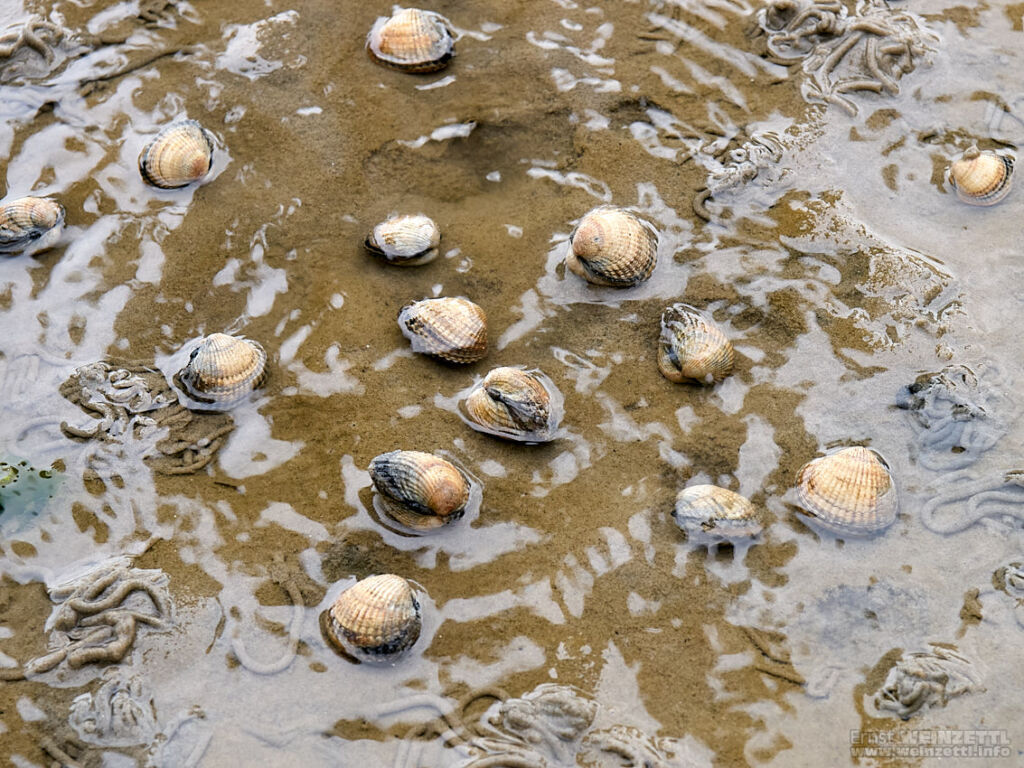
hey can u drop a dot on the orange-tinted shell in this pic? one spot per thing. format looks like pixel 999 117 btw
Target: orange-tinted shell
pixel 30 224
pixel 181 154
pixel 412 41
pixel 849 492
pixel 453 329
pixel 223 369
pixel 611 246
pixel 515 404
pixel 981 178
pixel 376 618
pixel 711 514
pixel 419 490
pixel 692 347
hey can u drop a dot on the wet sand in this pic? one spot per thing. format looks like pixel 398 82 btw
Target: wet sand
pixel 842 272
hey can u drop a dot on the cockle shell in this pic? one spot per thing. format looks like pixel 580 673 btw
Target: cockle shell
pixel 419 490
pixel 223 369
pixel 412 41
pixel 515 404
pixel 30 224
pixel 406 241
pixel 981 178
pixel 452 329
pixel 375 619
pixel 181 154
pixel 692 347
pixel 710 514
pixel 611 246
pixel 849 492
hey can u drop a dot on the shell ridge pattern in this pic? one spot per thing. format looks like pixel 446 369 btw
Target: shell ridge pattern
pixel 981 178
pixel 614 247
pixel 378 616
pixel 693 347
pixel 412 41
pixel 526 415
pixel 27 221
pixel 168 148
pixel 391 475
pixel 224 369
pixel 849 492
pixel 450 328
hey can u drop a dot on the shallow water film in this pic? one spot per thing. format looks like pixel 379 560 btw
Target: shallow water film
pixel 170 550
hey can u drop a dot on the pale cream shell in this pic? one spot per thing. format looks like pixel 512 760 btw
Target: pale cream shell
pixel 711 514
pixel 419 490
pixel 693 347
pixel 449 328
pixel 181 154
pixel 412 40
pixel 406 241
pixel 376 618
pixel 224 369
pixel 981 178
pixel 849 492
pixel 515 404
pixel 614 247
pixel 30 224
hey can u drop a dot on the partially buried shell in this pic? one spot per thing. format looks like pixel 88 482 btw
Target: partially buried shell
pixel 981 178
pixel 181 154
pixel 376 618
pixel 611 246
pixel 515 404
pixel 692 347
pixel 406 241
pixel 710 514
pixel 419 490
pixel 30 224
pixel 412 40
pixel 849 492
pixel 223 369
pixel 452 329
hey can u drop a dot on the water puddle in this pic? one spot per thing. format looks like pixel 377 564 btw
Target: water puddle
pixel 166 562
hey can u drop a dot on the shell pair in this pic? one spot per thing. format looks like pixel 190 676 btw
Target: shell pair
pixel 223 369
pixel 451 329
pixel 419 490
pixel 181 154
pixel 981 178
pixel 515 404
pixel 412 41
pixel 692 347
pixel 405 241
pixel 612 246
pixel 375 619
pixel 29 225
pixel 849 492
pixel 712 515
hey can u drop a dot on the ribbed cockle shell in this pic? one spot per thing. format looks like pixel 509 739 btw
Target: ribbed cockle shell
pixel 223 369
pixel 406 241
pixel 30 224
pixel 412 41
pixel 515 404
pixel 452 329
pixel 981 178
pixel 612 246
pixel 710 514
pixel 849 492
pixel 692 347
pixel 419 490
pixel 375 619
pixel 181 154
